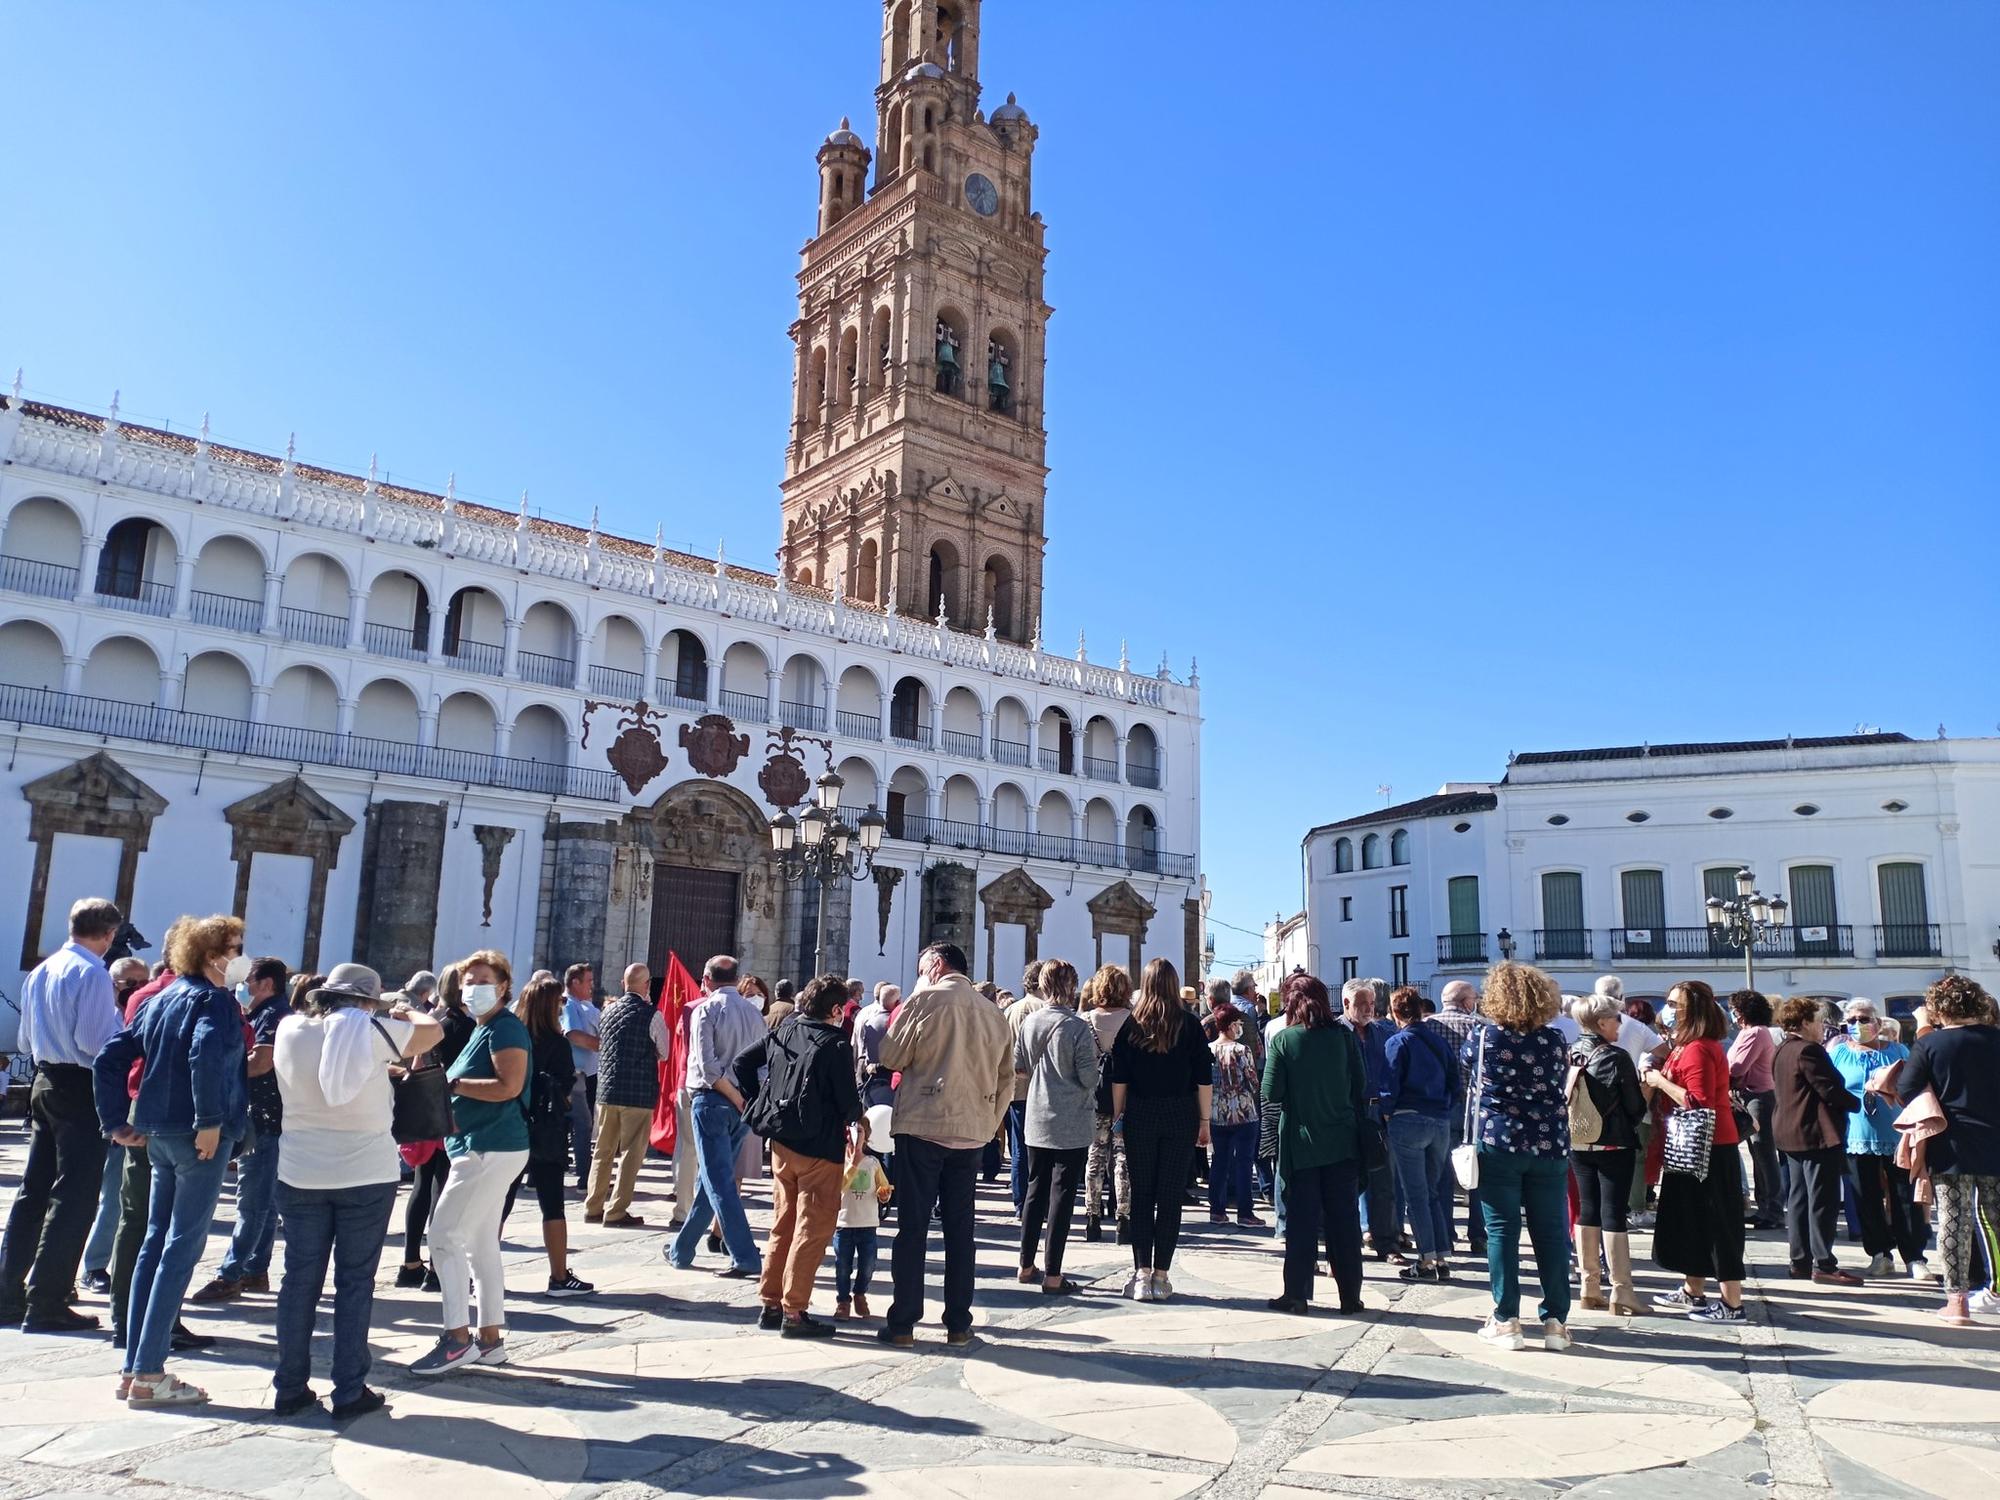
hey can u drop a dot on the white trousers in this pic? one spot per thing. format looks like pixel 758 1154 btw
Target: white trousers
pixel 465 1236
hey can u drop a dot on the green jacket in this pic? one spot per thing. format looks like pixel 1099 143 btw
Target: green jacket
pixel 1317 1078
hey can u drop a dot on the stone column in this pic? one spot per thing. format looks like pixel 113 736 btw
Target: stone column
pixel 584 644
pixel 503 737
pixel 937 724
pixel 711 682
pixel 427 727
pixel 985 811
pixel 581 894
pixel 357 617
pixel 1034 744
pixel 931 803
pixel 510 647
pixel 72 683
pixel 1119 752
pixel 343 724
pixel 985 735
pixel 274 589
pixel 260 704
pixel 184 586
pixel 772 677
pixel 434 642
pixel 402 862
pixel 649 673
pixel 86 569
pixel 882 700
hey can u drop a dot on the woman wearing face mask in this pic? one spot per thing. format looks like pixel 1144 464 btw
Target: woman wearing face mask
pixel 192 1109
pixel 487 1153
pixel 1891 1224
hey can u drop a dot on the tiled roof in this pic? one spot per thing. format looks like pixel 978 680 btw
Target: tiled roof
pixel 1718 747
pixel 1442 805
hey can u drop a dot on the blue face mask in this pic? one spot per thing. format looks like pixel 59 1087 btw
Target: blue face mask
pixel 243 995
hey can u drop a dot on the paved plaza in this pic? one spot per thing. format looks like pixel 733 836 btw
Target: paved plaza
pixel 662 1384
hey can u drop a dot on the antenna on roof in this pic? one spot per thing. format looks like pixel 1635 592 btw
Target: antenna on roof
pixel 1384 791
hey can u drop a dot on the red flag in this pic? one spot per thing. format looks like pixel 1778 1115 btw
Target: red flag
pixel 678 991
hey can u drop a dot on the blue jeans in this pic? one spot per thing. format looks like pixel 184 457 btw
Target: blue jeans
pixel 1017 1152
pixel 1232 1154
pixel 1514 1185
pixel 97 1253
pixel 1417 1145
pixel 178 1214
pixel 256 1212
pixel 718 1133
pixel 853 1261
pixel 346 1226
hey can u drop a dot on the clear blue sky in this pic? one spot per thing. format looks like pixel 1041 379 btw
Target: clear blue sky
pixel 1449 377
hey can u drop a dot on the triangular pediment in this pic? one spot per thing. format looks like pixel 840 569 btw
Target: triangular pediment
pixel 290 804
pixel 98 785
pixel 1016 890
pixel 949 489
pixel 1118 903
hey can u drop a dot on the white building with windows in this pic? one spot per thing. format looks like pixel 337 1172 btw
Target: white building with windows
pixel 1594 861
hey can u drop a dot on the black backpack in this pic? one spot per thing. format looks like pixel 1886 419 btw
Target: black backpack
pixel 788 1109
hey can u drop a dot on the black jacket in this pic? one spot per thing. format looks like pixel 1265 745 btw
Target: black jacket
pixel 1613 1081
pixel 811 1063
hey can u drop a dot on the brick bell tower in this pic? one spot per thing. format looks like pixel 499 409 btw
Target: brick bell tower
pixel 915 473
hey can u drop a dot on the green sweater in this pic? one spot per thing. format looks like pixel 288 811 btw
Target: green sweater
pixel 1316 1076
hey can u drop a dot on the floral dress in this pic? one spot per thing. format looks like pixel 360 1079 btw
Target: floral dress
pixel 1234 1098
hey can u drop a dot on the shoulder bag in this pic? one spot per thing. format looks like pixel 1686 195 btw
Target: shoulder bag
pixel 1465 1156
pixel 422 1099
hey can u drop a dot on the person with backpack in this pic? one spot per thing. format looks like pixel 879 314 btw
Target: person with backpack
pixel 1420 1086
pixel 551 1081
pixel 1606 1105
pixel 806 1107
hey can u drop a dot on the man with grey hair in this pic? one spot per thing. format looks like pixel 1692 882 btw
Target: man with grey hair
pixel 1358 1012
pixel 1457 1021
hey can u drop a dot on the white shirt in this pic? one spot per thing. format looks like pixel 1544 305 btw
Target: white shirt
pixel 1637 1038
pixel 1273 1026
pixel 333 1074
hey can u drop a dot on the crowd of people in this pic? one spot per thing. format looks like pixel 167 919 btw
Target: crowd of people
pixel 1362 1120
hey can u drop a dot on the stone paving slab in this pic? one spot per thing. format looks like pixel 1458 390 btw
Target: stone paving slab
pixel 663 1385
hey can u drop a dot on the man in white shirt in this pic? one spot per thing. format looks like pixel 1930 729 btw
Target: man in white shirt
pixel 1646 1045
pixel 581 1017
pixel 725 1026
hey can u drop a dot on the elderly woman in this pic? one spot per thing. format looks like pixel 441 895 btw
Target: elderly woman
pixel 1520 1126
pixel 1316 1079
pixel 1700 1230
pixel 1958 1061
pixel 1604 1167
pixel 191 1114
pixel 488 1151
pixel 1891 1226
pixel 1750 1054
pixel 1809 1128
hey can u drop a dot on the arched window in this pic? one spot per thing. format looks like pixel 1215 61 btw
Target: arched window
pixel 884 357
pixel 866 570
pixel 949 349
pixel 943 583
pixel 1343 856
pixel 1399 847
pixel 1371 852
pixel 121 567
pixel 816 388
pixel 849 389
pixel 997 582
pixel 1001 365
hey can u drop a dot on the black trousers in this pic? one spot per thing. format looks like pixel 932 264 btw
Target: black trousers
pixel 1812 1209
pixel 932 1176
pixel 426 1187
pixel 1604 1188
pixel 1052 1182
pixel 1764 1161
pixel 1890 1223
pixel 1323 1201
pixel 1159 1144
pixel 57 1202
pixel 1385 1227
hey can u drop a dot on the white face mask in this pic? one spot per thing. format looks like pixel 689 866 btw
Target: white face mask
pixel 480 998
pixel 243 996
pixel 238 971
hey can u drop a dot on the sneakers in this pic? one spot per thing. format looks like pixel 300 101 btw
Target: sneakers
pixel 410 1276
pixel 444 1357
pixel 1984 1304
pixel 1645 1219
pixel 958 1338
pixel 805 1326
pixel 1163 1287
pixel 1920 1270
pixel 1880 1268
pixel 770 1319
pixel 570 1285
pixel 1138 1287
pixel 1502 1335
pixel 1436 1271
pixel 1719 1311
pixel 368 1401
pixel 97 1281
pixel 494 1353
pixel 431 1279
pixel 1555 1337
pixel 1677 1301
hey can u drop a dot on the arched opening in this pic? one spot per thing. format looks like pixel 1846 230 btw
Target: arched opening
pixel 305 698
pixel 959 803
pixel 1008 820
pixel 1343 856
pixel 885 357
pixel 398 617
pixel 905 806
pixel 742 688
pixel 930 154
pixel 386 712
pixel 910 713
pixel 228 585
pixel 960 723
pixel 1100 830
pixel 949 336
pixel 217 684
pixel 135 569
pixel 30 657
pixel 997 584
pixel 1100 750
pixel 1058 742
pixel 40 547
pixel 849 391
pixel 862 789
pixel 1002 361
pixel 867 569
pixel 802 693
pixel 618 660
pixel 122 670
pixel 1010 732
pixel 547 652
pixel 1371 852
pixel 804 576
pixel 1142 840
pixel 684 670
pixel 899 37
pixel 942 594
pixel 1399 847
pixel 465 729
pixel 858 708
pixel 816 389
pixel 474 627
pixel 541 739
pixel 1142 756
pixel 1053 826
pixel 312 602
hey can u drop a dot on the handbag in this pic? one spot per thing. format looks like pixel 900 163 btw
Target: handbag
pixel 1465 1156
pixel 421 1108
pixel 1690 1138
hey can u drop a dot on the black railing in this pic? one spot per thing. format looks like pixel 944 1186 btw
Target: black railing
pixel 802 715
pixel 283 742
pixel 1010 752
pixel 1673 944
pixel 1908 940
pixel 958 742
pixel 910 735
pixel 1139 773
pixel 1056 761
pixel 857 726
pixel 145 599
pixel 312 627
pixel 24 575
pixel 227 611
pixel 616 682
pixel 1462 948
pixel 550 671
pixel 393 640
pixel 1024 843
pixel 1562 944
pixel 745 708
pixel 475 656
pixel 1099 770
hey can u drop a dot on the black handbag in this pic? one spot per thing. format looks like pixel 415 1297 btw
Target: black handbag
pixel 422 1107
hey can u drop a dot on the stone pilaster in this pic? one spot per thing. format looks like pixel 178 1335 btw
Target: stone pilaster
pixel 402 863
pixel 581 893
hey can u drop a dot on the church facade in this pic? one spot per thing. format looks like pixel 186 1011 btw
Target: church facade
pixel 383 723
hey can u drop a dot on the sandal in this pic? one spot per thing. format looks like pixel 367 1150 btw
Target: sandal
pixel 1027 1274
pixel 1063 1288
pixel 166 1390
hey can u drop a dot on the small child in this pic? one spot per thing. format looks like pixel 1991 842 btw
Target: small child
pixel 864 1188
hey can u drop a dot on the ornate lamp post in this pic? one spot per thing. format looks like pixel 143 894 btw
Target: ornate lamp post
pixel 1507 944
pixel 818 846
pixel 1751 918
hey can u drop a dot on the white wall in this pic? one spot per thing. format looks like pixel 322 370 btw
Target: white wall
pixel 274 922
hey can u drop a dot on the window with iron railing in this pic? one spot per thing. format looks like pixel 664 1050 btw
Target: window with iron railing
pixel 24 575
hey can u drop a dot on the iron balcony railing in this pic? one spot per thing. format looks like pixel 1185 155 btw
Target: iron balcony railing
pixel 910 736
pixel 1099 770
pixel 145 599
pixel 550 671
pixel 226 611
pixel 283 742
pixel 1678 944
pixel 692 703
pixel 1025 843
pixel 958 742
pixel 1908 940
pixel 616 682
pixel 1462 948
pixel 1138 773
pixel 809 716
pixel 1054 760
pixel 1010 752
pixel 857 726
pixel 475 656
pixel 47 580
pixel 1562 944
pixel 745 708
pixel 312 627
pixel 393 640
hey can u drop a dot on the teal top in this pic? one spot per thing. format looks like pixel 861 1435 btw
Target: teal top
pixel 1316 1076
pixel 483 1125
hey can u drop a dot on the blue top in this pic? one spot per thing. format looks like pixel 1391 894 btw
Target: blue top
pixel 484 1124
pixel 584 1016
pixel 68 1011
pixel 1521 1105
pixel 191 1036
pixel 1375 1056
pixel 1871 1124
pixel 1421 1075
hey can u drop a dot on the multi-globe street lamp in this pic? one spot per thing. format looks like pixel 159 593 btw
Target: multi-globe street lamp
pixel 1747 920
pixel 818 846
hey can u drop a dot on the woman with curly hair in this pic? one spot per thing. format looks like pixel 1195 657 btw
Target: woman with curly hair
pixel 1519 1065
pixel 1959 1062
pixel 1700 1228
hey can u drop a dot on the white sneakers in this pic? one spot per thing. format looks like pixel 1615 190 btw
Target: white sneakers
pixel 1501 1335
pixel 1984 1304
pixel 1920 1270
pixel 1881 1267
pixel 1555 1337
pixel 1162 1287
pixel 1139 1286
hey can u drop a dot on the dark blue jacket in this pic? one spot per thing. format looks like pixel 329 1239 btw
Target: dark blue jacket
pixel 191 1037
pixel 1374 1055
pixel 1421 1075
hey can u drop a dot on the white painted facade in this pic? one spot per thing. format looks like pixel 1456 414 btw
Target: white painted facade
pixel 269 623
pixel 1806 818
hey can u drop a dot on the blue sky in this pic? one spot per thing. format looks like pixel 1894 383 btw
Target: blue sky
pixel 1451 378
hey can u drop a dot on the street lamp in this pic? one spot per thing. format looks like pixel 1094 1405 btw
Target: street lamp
pixel 1507 944
pixel 1751 918
pixel 818 846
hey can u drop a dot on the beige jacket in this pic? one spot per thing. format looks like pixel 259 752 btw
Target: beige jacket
pixel 956 1055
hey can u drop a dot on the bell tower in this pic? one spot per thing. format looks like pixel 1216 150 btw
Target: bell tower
pixel 915 473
